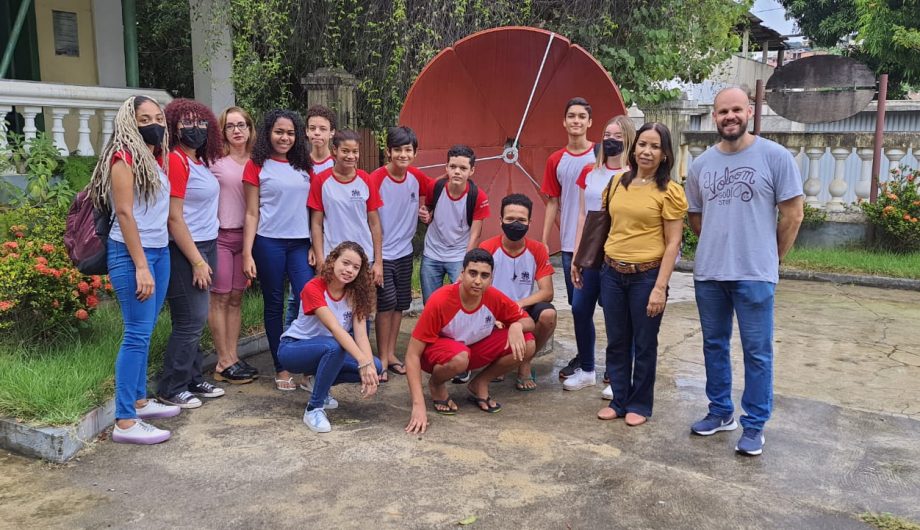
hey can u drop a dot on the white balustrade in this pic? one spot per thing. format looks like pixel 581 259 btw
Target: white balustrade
pixel 838 186
pixel 108 120
pixel 57 101
pixel 85 147
pixel 894 156
pixel 812 185
pixel 4 110
pixel 57 128
pixel 864 186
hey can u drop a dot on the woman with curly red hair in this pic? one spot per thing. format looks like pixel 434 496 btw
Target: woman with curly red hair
pixel 194 143
pixel 329 337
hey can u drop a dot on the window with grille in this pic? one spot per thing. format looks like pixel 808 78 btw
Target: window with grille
pixel 66 41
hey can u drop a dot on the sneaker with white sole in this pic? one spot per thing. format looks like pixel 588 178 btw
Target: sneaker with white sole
pixel 712 424
pixel 607 393
pixel 154 409
pixel 206 390
pixel 579 379
pixel 751 442
pixel 140 433
pixel 316 420
pixel 183 400
pixel 330 403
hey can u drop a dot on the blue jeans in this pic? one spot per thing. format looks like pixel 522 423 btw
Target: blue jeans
pixel 567 275
pixel 431 274
pixel 752 303
pixel 277 259
pixel 584 301
pixel 139 320
pixel 323 357
pixel 188 310
pixel 632 339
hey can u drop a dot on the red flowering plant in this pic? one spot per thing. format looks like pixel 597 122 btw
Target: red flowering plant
pixel 896 212
pixel 40 290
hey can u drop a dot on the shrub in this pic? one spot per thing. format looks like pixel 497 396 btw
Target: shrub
pixel 895 214
pixel 40 161
pixel 77 170
pixel 41 293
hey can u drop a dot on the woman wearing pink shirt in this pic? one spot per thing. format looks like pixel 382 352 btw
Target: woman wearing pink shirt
pixel 225 317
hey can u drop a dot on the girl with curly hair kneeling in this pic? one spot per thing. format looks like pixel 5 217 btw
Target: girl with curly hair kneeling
pixel 329 337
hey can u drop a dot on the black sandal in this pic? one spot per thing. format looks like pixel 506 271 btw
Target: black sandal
pixel 479 402
pixel 392 368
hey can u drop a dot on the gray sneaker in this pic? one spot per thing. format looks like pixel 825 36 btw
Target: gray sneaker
pixel 183 400
pixel 316 420
pixel 206 390
pixel 751 442
pixel 712 424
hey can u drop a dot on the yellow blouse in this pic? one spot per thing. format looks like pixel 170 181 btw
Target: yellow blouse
pixel 637 219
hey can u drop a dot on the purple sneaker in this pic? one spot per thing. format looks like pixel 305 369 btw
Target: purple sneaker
pixel 140 433
pixel 154 409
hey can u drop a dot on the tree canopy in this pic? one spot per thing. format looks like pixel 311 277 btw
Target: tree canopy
pixel 386 43
pixel 887 32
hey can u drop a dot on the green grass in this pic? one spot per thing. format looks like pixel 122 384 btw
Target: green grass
pixel 416 279
pixel 57 384
pixel 855 261
pixel 886 521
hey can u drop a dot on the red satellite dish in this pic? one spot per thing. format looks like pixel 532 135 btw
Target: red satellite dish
pixel 503 92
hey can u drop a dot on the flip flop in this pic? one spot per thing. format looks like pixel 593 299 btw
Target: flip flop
pixel 519 383
pixel 392 368
pixel 285 385
pixel 383 378
pixel 451 410
pixel 478 401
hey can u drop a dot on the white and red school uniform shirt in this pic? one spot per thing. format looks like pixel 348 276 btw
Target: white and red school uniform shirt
pixel 150 217
pixel 322 165
pixel 444 316
pixel 345 206
pixel 594 181
pixel 315 294
pixel 562 170
pixel 517 276
pixel 448 234
pixel 199 189
pixel 400 198
pixel 283 193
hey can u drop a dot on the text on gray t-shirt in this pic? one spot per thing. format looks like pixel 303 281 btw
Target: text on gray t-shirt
pixel 737 194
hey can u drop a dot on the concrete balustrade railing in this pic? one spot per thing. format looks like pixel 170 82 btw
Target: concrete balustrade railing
pixel 78 118
pixel 836 167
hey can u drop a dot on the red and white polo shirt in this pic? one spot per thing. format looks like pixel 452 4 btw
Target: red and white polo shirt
pixel 517 276
pixel 562 170
pixel 315 294
pixel 345 206
pixel 444 316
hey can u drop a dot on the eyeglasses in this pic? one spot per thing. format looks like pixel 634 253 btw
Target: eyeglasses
pixel 242 126
pixel 201 124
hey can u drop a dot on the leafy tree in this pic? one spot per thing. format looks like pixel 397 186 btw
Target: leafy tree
pixel 887 33
pixel 164 42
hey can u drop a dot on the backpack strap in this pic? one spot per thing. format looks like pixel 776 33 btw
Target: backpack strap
pixel 471 196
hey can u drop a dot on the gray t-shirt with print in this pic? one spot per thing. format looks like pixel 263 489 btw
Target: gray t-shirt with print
pixel 737 194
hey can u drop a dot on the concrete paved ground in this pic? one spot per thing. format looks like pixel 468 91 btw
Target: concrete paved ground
pixel 844 440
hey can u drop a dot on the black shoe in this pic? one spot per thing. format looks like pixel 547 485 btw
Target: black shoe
pixel 234 374
pixel 464 377
pixel 569 369
pixel 205 390
pixel 248 367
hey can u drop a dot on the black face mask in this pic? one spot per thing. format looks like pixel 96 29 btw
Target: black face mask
pixel 515 231
pixel 613 147
pixel 193 137
pixel 152 134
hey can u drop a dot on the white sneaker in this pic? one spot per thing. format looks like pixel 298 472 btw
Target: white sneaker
pixel 140 433
pixel 580 379
pixel 330 403
pixel 607 393
pixel 155 409
pixel 316 420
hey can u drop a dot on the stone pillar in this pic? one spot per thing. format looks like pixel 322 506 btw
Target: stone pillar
pixel 29 130
pixel 864 186
pixel 108 120
pixel 894 156
pixel 333 88
pixel 57 128
pixel 695 151
pixel 4 110
pixel 676 116
pixel 110 44
pixel 813 183
pixel 212 53
pixel 838 186
pixel 85 147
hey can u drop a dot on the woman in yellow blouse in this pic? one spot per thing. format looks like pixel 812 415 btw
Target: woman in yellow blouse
pixel 647 209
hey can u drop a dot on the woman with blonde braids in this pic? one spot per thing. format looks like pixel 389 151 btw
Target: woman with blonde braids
pixel 129 179
pixel 329 337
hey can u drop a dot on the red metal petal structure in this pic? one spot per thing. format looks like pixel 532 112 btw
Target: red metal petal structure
pixel 503 92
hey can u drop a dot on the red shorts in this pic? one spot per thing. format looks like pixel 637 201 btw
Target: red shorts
pixel 482 353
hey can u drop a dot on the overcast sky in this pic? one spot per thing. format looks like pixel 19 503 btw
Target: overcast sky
pixel 774 16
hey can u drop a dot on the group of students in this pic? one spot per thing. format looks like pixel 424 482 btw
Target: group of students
pixel 203 205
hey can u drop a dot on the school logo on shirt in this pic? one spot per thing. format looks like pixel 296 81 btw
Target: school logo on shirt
pixel 356 195
pixel 412 196
pixel 525 277
pixel 723 186
pixel 488 319
pixel 346 319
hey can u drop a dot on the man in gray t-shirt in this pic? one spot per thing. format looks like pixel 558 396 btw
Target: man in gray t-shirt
pixel 734 190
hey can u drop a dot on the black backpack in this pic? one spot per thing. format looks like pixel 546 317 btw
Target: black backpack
pixel 471 195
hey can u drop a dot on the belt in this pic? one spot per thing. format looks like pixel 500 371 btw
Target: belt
pixel 631 268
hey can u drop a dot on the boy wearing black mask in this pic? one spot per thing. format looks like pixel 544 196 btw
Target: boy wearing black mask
pixel 523 272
